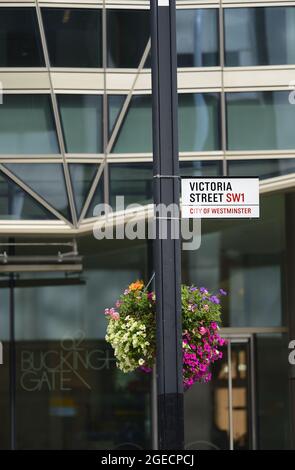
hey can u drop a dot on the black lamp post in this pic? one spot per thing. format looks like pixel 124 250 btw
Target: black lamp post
pixel 167 252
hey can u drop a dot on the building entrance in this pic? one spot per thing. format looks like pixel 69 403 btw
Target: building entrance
pixel 235 410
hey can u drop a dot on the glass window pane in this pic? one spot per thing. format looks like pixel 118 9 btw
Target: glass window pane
pixel 262 120
pixel 81 117
pixel 27 125
pixel 200 168
pixel 135 134
pixel 16 204
pixel 98 198
pixel 133 181
pixel 20 43
pixel 82 176
pixel 73 36
pixel 128 33
pixel 115 105
pixel 262 168
pixel 206 411
pixel 47 180
pixel 198 117
pixel 259 36
pixel 197 37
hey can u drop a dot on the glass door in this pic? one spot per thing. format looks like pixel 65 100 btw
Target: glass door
pixel 221 414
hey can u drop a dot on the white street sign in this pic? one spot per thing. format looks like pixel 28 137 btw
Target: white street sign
pixel 214 198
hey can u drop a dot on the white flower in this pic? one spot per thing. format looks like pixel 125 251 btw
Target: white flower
pixel 141 362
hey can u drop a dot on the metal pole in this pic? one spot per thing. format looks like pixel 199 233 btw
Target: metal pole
pixel 167 251
pixel 12 355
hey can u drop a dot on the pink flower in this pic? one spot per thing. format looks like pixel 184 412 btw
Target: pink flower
pixel 118 303
pixel 151 296
pixel 112 313
pixel 214 325
pixel 206 307
pixel 202 330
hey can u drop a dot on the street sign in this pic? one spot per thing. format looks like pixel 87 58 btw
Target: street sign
pixel 214 198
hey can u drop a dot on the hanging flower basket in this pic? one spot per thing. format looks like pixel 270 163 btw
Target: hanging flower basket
pixel 131 331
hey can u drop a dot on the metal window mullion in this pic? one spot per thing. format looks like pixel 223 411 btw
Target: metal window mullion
pixel 58 125
pixel 91 192
pixel 34 195
pixel 119 122
pixel 222 94
pixel 105 102
pixel 127 101
pixel 230 397
pixel 253 393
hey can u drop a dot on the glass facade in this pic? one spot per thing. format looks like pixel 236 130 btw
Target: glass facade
pixel 128 33
pixel 47 180
pixel 247 111
pixel 259 36
pixel 81 117
pixel 27 125
pixel 82 176
pixel 199 123
pixel 16 204
pixel 76 131
pixel 20 41
pixel 135 134
pixel 197 38
pixel 73 37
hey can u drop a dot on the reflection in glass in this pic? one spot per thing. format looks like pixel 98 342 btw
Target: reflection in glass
pixel 16 204
pixel 260 120
pixel 269 168
pixel 82 176
pixel 128 33
pixel 197 37
pixel 27 125
pixel 20 42
pixel 236 255
pixel 70 395
pixel 241 394
pixel 133 181
pixel 259 36
pixel 81 117
pixel 73 36
pixel 199 117
pixel 47 180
